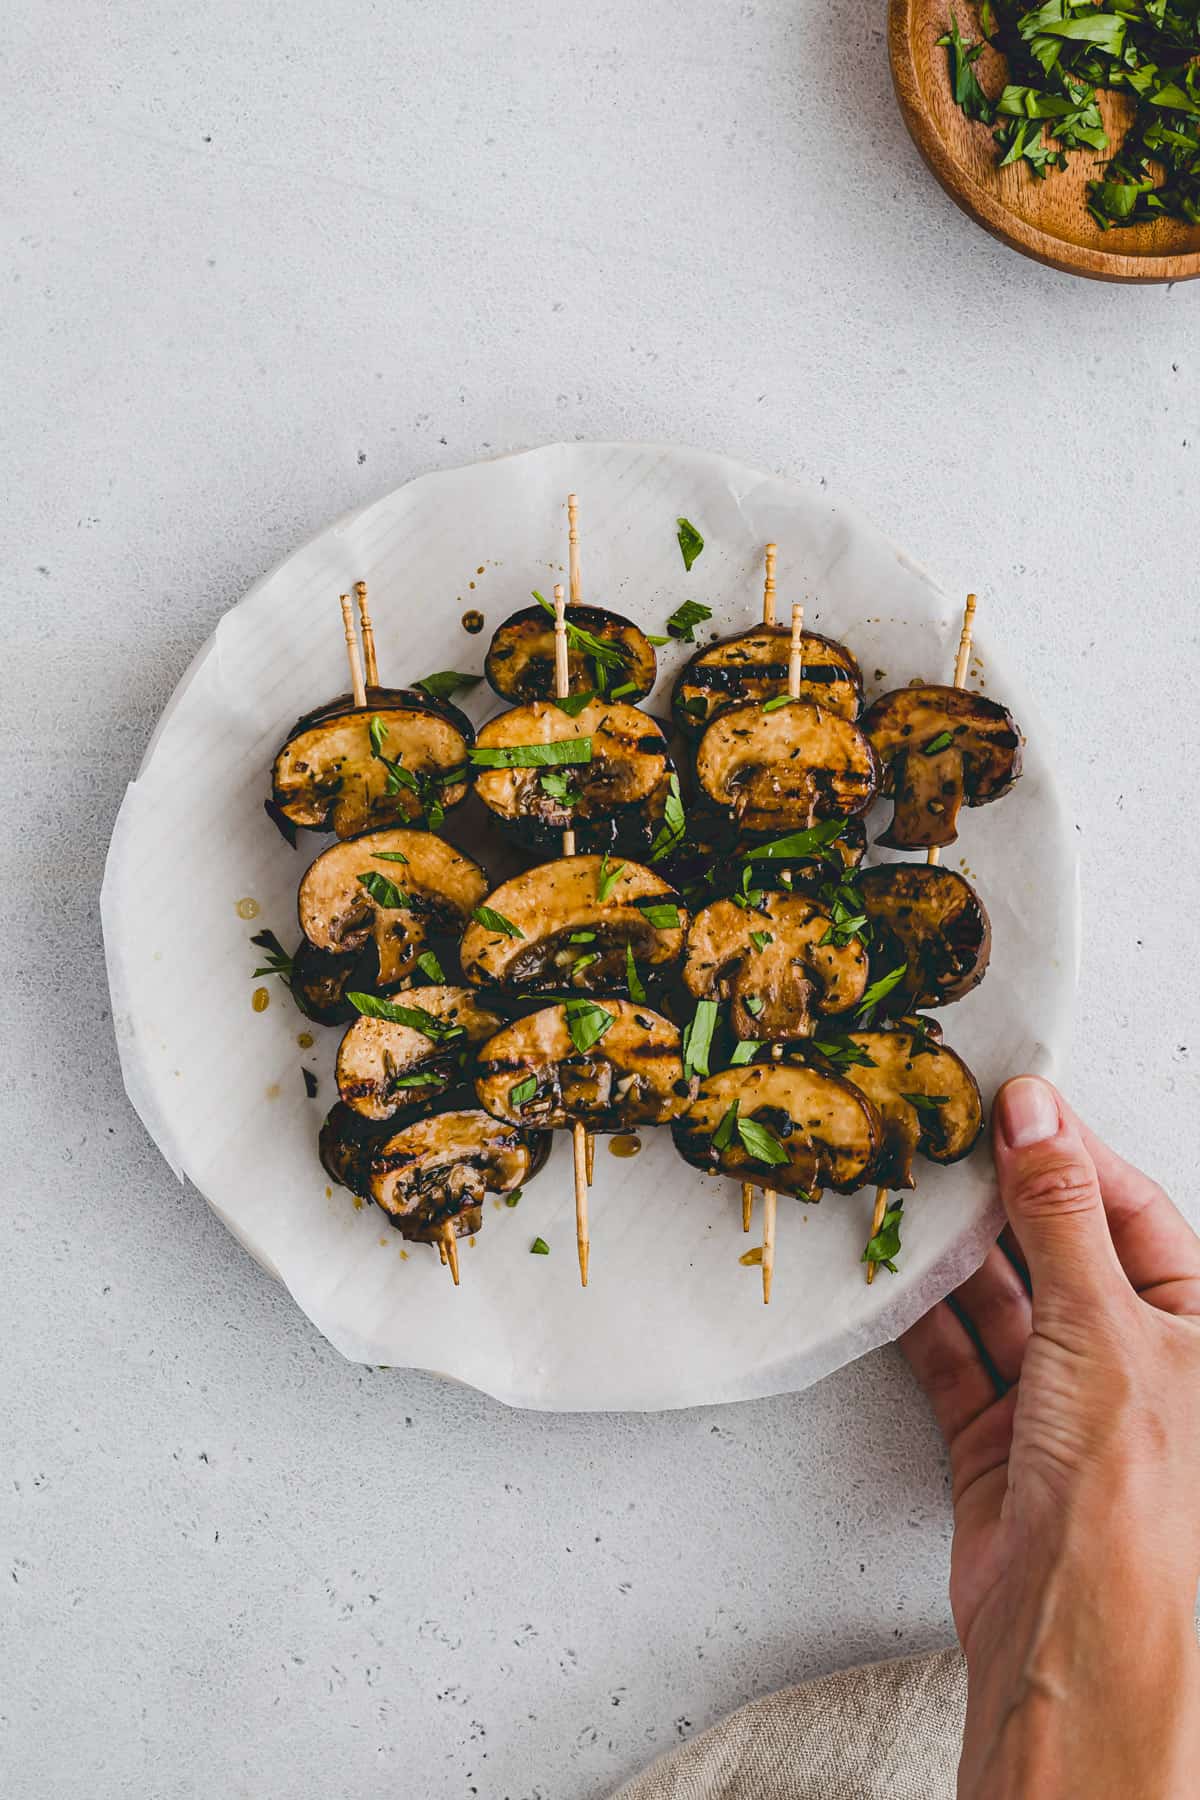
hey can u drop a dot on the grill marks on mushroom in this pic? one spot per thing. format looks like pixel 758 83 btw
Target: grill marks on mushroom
pixel 328 777
pixel 558 902
pixel 384 1067
pixel 783 770
pixel 520 659
pixel 944 1119
pixel 778 986
pixel 432 1170
pixel 753 666
pixel 621 791
pixel 631 1076
pixel 931 919
pixel 980 760
pixel 440 887
pixel 828 1129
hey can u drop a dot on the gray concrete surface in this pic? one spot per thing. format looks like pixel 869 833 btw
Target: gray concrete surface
pixel 262 263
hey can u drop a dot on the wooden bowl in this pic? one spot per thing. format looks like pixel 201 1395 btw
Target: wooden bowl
pixel 1047 219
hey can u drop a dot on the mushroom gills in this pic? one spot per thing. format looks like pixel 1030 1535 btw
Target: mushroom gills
pixel 827 1130
pixel 753 666
pixel 784 770
pixel 386 1067
pixel 940 747
pixel 533 1072
pixel 931 919
pixel 349 769
pixel 774 965
pixel 520 660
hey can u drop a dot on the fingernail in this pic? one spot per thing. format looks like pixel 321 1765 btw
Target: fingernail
pixel 1028 1112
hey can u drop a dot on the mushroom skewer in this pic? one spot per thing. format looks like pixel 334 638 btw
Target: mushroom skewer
pixel 562 684
pixel 768 619
pixel 932 855
pixel 579 1137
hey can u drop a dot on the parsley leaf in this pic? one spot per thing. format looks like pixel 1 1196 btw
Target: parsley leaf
pixel 879 990
pixel 744 1052
pixel 690 542
pixel 844 1054
pixel 760 1143
pixel 760 939
pixel 684 620
pixel 810 842
pixel 586 1023
pixel 722 1137
pixel 926 1102
pixel 674 825
pixel 415 1017
pixel 662 914
pixel 605 652
pixel 377 731
pixel 539 1247
pixel 514 1199
pixel 967 92
pixel 942 741
pixel 385 893
pixel 524 1090
pixel 446 682
pixel 573 704
pixel 753 1005
pixel 491 920
pixel 389 856
pixel 606 878
pixel 424 1079
pixel 626 687
pixel 697 1038
pixel 278 961
pixel 429 966
pixel 633 981
pixel 558 784
pixel 775 704
pixel 884 1247
pixel 531 756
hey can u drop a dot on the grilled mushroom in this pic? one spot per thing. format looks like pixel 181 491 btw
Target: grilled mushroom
pixel 321 979
pixel 615 800
pixel 393 890
pixel 776 964
pixel 743 1118
pixel 520 660
pixel 573 923
pixel 778 770
pixel 931 919
pixel 612 1066
pixel 940 746
pixel 754 666
pixel 428 1171
pixel 340 770
pixel 387 1066
pixel 926 1095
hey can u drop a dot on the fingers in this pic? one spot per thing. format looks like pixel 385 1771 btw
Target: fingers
pixel 996 1303
pixel 948 1366
pixel 1158 1249
pixel 1051 1193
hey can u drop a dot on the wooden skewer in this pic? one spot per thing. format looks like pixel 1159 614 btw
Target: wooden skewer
pixel 770 1197
pixel 768 613
pixel 579 1137
pixel 576 591
pixel 352 656
pixel 448 1245
pixel 932 855
pixel 368 634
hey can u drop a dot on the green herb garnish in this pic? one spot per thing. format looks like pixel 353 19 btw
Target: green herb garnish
pixel 697 1038
pixel 559 785
pixel 967 92
pixel 942 741
pixel 389 856
pixel 775 704
pixel 278 961
pixel 606 878
pixel 926 1102
pixel 843 1053
pixel 662 914
pixel 744 1052
pixel 424 1079
pixel 531 756
pixel 626 687
pixel 879 990
pixel 586 1023
pixel 760 1143
pixel 760 939
pixel 603 651
pixel 797 843
pixel 539 1247
pixel 633 981
pixel 524 1090
pixel 430 967
pixel 690 543
pixel 674 825
pixel 385 893
pixel 377 732
pixel 491 920
pixel 573 704
pixel 722 1137
pixel 447 682
pixel 684 620
pixel 514 1199
pixel 753 1005
pixel 415 1017
pixel 884 1247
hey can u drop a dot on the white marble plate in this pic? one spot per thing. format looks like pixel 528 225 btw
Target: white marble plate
pixel 670 1318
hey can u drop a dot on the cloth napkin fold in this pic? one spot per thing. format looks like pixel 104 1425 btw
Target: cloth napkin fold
pixel 887 1731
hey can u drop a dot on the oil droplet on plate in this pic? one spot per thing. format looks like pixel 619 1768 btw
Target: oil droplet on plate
pixel 404 1256
pixel 624 1144
pixel 247 908
pixel 273 1091
pixel 260 999
pixel 472 621
pixel 751 1257
pixel 480 569
pixel 305 1040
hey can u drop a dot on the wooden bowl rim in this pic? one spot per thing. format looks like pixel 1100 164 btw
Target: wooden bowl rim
pixel 982 203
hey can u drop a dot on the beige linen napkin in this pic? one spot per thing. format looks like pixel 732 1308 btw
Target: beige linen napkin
pixel 888 1731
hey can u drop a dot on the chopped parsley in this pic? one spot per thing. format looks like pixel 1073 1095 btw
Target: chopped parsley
pixel 942 741
pixel 884 1247
pixel 753 1005
pixel 604 652
pixel 586 1023
pixel 531 756
pixel 775 704
pixel 843 1053
pixel 760 1143
pixel 514 1199
pixel 539 1247
pixel 425 1078
pixel 691 544
pixel 447 682
pixel 697 1038
pixel 926 1102
pixel 415 1017
pixel 879 990
pixel 573 704
pixel 674 825
pixel 606 878
pixel 559 785
pixel 385 893
pixel 722 1137
pixel 760 939
pixel 633 981
pixel 524 1090
pixel 491 920
pixel 684 620
pixel 662 914
pixel 278 961
pixel 744 1052
pixel 388 856
pixel 430 967
pixel 810 842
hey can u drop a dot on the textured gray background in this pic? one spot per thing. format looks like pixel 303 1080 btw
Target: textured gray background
pixel 266 262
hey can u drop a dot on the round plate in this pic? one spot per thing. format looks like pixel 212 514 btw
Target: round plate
pixel 1047 219
pixel 670 1318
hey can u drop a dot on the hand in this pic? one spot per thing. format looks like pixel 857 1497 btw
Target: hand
pixel 1076 1469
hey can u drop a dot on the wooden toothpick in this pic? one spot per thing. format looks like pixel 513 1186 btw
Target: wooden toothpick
pixel 573 551
pixel 768 613
pixel 352 656
pixel 368 634
pixel 562 683
pixel 448 1243
pixel 932 855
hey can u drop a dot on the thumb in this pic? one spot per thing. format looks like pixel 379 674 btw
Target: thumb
pixel 1051 1193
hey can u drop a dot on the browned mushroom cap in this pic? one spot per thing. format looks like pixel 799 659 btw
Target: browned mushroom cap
pixel 566 924
pixel 940 746
pixel 387 1066
pixel 520 659
pixel 754 666
pixel 932 920
pixel 433 1170
pixel 773 964
pixel 615 799
pixel 393 888
pixel 534 1072
pixel 787 768
pixel 926 1095
pixel 827 1129
pixel 331 775
pixel 321 979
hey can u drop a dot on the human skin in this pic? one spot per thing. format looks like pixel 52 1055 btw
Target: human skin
pixel 1076 1479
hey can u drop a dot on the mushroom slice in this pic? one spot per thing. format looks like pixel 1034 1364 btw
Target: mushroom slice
pixel 321 979
pixel 926 1095
pixel 940 746
pixel 348 768
pixel 775 963
pixel 394 889
pixel 610 1065
pixel 520 659
pixel 391 1065
pixel 573 923
pixel 432 1170
pixel 616 799
pixel 754 666
pixel 743 1118
pixel 779 770
pixel 931 919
